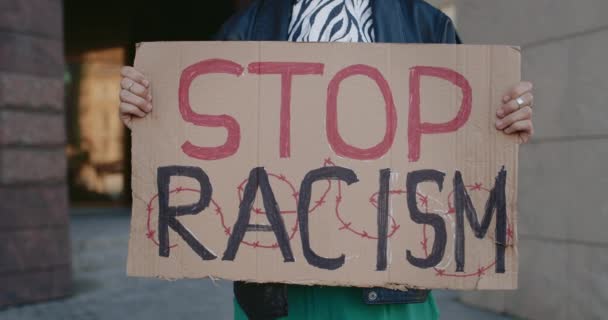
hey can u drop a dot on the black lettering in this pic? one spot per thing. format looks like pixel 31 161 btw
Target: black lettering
pixel 167 214
pixel 333 173
pixel 496 202
pixel 258 178
pixel 383 194
pixel 434 220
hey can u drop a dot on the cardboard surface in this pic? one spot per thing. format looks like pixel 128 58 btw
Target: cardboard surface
pixel 302 113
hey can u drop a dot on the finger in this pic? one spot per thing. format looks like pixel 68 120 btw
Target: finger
pixel 131 98
pixel 136 88
pixel 524 113
pixel 126 119
pixel 518 91
pixel 129 109
pixel 131 73
pixel 524 137
pixel 512 105
pixel 524 126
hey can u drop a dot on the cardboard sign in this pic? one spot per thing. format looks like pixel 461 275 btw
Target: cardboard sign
pixel 335 164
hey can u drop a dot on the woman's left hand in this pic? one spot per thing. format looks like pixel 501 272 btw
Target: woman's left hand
pixel 515 115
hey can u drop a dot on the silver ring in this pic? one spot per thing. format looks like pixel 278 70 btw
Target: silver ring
pixel 520 102
pixel 129 87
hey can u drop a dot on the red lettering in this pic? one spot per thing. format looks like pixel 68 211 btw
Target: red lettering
pixel 415 127
pixel 287 70
pixel 333 135
pixel 232 126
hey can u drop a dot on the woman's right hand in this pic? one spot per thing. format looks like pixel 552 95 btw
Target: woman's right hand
pixel 135 95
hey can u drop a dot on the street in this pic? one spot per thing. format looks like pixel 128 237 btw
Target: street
pixel 102 290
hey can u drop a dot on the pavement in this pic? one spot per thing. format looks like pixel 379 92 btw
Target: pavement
pixel 103 291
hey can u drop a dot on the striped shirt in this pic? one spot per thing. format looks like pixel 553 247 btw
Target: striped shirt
pixel 331 21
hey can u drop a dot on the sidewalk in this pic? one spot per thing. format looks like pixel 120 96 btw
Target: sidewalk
pixel 103 291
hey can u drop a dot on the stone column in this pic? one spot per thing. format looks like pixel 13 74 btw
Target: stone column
pixel 34 225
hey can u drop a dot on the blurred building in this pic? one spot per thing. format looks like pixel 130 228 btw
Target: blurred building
pixel 99 40
pixel 59 129
pixel 563 205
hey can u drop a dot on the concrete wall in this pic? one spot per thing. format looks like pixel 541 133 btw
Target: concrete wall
pixel 564 171
pixel 34 240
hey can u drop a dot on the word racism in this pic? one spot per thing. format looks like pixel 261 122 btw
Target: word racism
pixel 269 118
pixel 258 180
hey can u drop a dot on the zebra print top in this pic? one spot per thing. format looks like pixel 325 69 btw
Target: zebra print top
pixel 331 21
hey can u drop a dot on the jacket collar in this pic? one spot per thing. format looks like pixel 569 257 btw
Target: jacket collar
pixel 273 18
pixel 388 21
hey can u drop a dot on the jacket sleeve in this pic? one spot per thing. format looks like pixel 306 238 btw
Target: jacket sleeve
pixel 445 31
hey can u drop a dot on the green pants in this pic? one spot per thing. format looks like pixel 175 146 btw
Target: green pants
pixel 336 303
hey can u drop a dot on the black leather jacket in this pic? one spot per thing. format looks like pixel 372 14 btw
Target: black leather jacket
pixel 395 21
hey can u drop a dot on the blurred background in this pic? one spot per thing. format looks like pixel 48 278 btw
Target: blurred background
pixel 64 159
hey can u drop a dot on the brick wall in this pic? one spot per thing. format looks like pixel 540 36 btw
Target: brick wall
pixel 34 239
